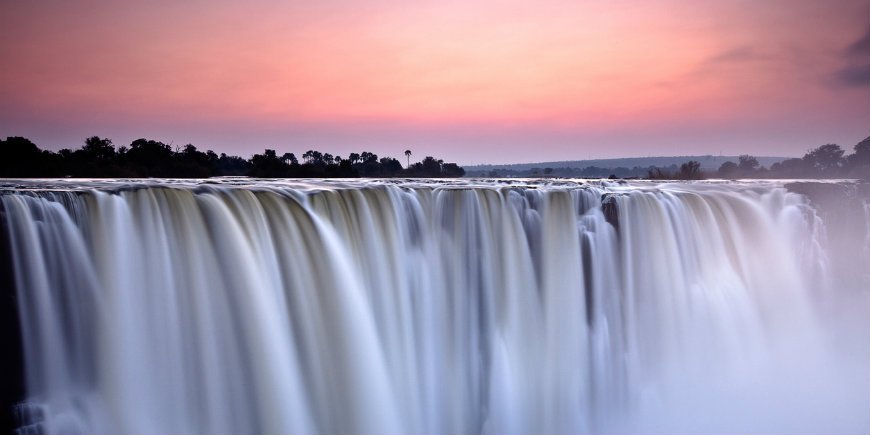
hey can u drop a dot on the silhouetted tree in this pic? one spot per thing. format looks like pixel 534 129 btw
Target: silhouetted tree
pixel 859 162
pixel 408 157
pixel 826 159
pixel 346 169
pixel 233 165
pixel 790 168
pixel 862 151
pixel 268 165
pixel 191 162
pixel 21 158
pixel 728 169
pixel 452 170
pixel 368 165
pixel 747 164
pixel 150 158
pixel 690 170
pixel 390 166
pixel 98 149
pixel 432 166
pixel 290 159
pixel 655 173
pixel 368 157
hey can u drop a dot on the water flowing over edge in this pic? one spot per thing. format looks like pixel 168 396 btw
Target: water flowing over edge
pixel 422 307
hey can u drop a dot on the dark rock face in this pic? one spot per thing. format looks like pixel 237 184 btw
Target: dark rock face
pixel 610 210
pixel 11 354
pixel 836 201
pixel 842 208
pixel 823 193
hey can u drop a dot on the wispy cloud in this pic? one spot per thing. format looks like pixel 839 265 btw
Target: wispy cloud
pixel 737 55
pixel 856 72
pixel 861 47
pixel 854 76
pixel 727 61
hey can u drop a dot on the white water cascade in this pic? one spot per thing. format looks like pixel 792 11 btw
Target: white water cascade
pixel 238 307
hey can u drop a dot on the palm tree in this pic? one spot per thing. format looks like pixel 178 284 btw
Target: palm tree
pixel 408 155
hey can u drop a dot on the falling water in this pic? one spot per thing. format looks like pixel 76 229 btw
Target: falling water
pixel 480 307
pixel 867 243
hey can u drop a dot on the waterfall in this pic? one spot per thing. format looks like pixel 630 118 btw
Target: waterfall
pixel 867 243
pixel 235 307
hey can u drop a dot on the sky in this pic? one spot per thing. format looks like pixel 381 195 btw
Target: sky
pixel 466 81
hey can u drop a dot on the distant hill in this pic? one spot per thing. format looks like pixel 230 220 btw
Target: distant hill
pixel 626 166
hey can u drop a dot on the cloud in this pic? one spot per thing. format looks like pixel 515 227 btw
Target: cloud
pixel 740 57
pixel 854 76
pixel 861 47
pixel 739 54
pixel 856 72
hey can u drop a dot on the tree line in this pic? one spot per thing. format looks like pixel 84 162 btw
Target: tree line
pixel 571 172
pixel 98 158
pixel 826 161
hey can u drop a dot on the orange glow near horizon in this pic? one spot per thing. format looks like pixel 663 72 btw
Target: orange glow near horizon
pixel 562 66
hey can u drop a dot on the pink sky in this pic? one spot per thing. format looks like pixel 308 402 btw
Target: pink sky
pixel 472 82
